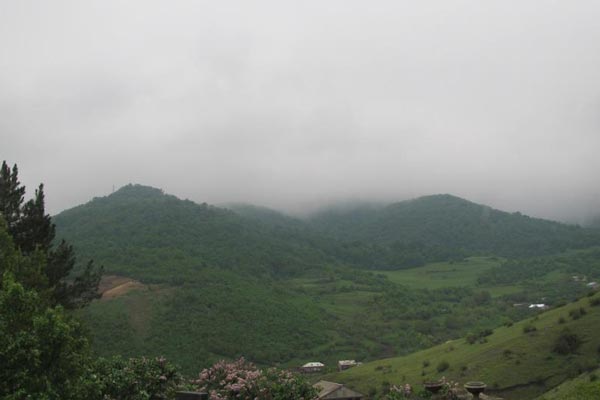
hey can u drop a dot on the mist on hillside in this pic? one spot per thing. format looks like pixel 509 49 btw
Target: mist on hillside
pixel 300 105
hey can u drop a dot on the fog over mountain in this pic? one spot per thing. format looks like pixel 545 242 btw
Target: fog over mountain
pixel 296 104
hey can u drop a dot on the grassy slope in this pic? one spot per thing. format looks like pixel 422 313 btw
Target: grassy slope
pixel 514 364
pixel 450 274
pixel 584 387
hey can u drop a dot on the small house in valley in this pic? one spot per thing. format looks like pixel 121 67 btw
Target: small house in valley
pixel 540 306
pixel 314 366
pixel 345 364
pixel 335 391
pixel 593 285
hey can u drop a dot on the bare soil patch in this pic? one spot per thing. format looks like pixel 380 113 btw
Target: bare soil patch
pixel 112 286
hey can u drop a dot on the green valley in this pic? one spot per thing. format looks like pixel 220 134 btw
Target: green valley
pixel 219 283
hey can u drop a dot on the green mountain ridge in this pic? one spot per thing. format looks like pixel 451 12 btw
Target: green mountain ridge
pixel 139 230
pixel 451 222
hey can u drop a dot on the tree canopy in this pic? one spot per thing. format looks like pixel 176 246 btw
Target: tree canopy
pixel 33 234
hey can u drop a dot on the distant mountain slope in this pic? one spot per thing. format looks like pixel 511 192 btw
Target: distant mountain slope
pixel 450 222
pixel 139 231
pixel 142 232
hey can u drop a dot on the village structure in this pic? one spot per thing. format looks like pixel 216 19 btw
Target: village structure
pixel 336 391
pixel 316 366
pixel 311 367
pixel 345 364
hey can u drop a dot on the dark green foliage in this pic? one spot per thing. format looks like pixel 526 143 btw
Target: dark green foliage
pixel 472 338
pixel 567 343
pixel 138 227
pixel 577 313
pixel 43 352
pixel 595 301
pixel 442 366
pixel 446 223
pixel 140 232
pixel 531 269
pixel 480 336
pixel 135 379
pixel 33 233
pixel 529 328
pixel 11 196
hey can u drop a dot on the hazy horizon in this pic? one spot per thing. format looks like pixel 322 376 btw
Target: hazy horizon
pixel 294 105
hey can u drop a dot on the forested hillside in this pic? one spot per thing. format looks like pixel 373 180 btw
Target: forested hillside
pixel 444 227
pixel 142 232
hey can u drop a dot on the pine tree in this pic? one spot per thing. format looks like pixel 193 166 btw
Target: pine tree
pixel 32 231
pixel 11 196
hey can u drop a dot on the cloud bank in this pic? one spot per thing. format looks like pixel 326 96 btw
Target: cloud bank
pixel 299 103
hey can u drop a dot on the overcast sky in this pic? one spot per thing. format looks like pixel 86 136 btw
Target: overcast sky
pixel 292 104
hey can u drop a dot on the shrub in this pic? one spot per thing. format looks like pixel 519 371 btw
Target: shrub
pixel 595 301
pixel 561 320
pixel 137 378
pixel 486 332
pixel 577 313
pixel 529 328
pixel 567 343
pixel 442 366
pixel 507 352
pixel 426 363
pixel 471 338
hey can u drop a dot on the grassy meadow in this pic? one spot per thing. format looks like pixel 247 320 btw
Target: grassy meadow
pixel 451 274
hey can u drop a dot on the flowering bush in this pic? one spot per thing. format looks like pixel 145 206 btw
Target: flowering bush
pixel 241 380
